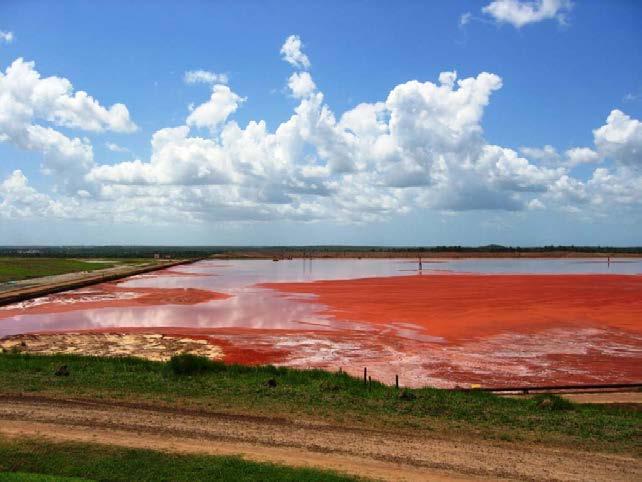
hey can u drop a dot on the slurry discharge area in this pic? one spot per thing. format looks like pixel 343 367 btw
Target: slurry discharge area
pixel 456 322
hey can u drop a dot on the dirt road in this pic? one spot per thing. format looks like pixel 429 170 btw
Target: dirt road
pixel 369 453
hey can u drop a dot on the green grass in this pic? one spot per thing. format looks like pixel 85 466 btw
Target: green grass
pixel 39 461
pixel 27 477
pixel 335 397
pixel 14 269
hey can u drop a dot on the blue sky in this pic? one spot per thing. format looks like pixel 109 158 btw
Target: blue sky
pixel 358 155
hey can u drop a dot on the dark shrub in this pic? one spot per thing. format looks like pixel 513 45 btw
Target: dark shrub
pixel 187 364
pixel 405 394
pixel 62 371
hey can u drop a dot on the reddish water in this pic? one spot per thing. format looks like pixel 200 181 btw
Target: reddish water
pixel 439 329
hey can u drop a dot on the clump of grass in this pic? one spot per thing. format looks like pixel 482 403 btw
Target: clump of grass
pixel 552 402
pixel 329 386
pixel 188 364
pixel 26 477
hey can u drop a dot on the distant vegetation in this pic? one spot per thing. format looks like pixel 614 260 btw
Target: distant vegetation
pixel 294 251
pixel 336 397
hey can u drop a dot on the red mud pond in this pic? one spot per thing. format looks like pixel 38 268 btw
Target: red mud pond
pixel 457 322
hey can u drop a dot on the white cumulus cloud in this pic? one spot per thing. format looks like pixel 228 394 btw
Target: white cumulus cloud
pixel 621 139
pixel 293 54
pixel 523 12
pixel 581 155
pixel 204 77
pixel 6 37
pixel 465 19
pixel 217 109
pixel 420 146
pixel 301 84
pixel 113 147
pixel 30 105
pixel 19 200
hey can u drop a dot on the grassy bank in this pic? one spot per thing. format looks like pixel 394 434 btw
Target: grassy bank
pixel 39 461
pixel 335 397
pixel 15 269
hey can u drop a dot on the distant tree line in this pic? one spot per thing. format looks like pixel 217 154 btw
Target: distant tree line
pixel 202 251
pixel 108 251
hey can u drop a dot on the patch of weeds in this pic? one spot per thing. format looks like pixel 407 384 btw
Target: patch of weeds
pixel 552 402
pixel 329 386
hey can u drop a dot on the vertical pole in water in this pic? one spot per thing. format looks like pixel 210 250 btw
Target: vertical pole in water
pixel 397 381
pixel 608 261
pixel 365 375
pixel 420 267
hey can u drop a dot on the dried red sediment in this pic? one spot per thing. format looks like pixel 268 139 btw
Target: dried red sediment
pixel 461 307
pixel 249 352
pixel 496 329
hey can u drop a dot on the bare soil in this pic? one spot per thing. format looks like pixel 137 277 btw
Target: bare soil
pixel 151 346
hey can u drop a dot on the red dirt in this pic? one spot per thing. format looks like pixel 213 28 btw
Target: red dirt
pixel 244 354
pixel 145 296
pixel 461 307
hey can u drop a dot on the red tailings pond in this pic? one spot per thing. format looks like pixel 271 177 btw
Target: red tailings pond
pixel 457 322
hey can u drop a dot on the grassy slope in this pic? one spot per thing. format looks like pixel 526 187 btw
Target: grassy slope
pixel 330 396
pixel 34 460
pixel 31 477
pixel 13 269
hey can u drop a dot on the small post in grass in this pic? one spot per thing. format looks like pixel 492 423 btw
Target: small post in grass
pixel 369 383
pixel 397 382
pixel 365 375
